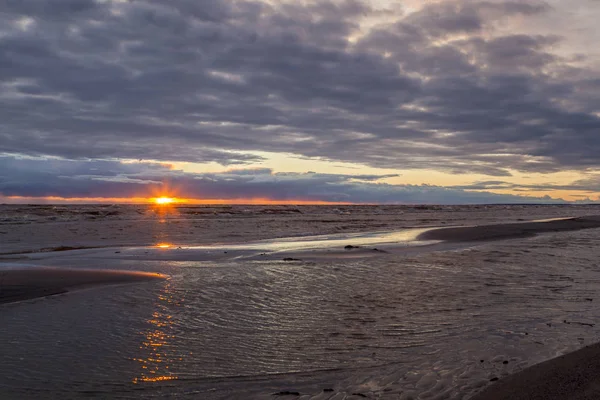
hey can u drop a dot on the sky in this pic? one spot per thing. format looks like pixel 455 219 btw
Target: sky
pixel 344 101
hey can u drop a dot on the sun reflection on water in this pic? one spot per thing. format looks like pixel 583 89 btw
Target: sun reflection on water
pixel 167 223
pixel 157 346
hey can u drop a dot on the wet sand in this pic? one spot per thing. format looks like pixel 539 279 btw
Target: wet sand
pixel 509 231
pixel 575 376
pixel 30 283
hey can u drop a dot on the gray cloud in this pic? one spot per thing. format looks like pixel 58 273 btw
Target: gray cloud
pixel 439 88
pixel 454 17
pixel 589 185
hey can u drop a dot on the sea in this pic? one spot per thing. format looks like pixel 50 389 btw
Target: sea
pixel 291 302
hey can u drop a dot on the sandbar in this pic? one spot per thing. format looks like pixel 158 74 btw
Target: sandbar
pixel 509 230
pixel 28 283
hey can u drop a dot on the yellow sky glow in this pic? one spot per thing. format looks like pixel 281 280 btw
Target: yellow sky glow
pixel 287 162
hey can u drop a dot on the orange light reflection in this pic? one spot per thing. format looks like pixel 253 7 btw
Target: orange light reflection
pixel 157 342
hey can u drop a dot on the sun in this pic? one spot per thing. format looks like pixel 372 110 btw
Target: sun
pixel 163 201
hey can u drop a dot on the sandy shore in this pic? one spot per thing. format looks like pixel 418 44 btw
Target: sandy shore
pixel 574 376
pixel 29 283
pixel 509 231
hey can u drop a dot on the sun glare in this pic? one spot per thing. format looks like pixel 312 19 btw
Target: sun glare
pixel 164 200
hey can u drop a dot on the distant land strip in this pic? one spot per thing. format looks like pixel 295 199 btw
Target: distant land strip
pixel 53 249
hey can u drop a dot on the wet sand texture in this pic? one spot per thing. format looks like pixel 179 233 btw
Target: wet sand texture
pixel 509 231
pixel 575 376
pixel 29 283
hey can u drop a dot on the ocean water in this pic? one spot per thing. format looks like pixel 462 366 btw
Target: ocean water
pixel 235 321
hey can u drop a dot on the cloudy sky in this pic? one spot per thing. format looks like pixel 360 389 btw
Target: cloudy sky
pixel 406 101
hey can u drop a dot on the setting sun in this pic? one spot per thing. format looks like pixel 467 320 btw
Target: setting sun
pixel 164 200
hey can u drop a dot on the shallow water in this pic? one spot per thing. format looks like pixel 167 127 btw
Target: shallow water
pixel 428 324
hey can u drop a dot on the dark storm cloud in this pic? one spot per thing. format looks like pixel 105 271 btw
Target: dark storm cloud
pixel 39 177
pixel 187 80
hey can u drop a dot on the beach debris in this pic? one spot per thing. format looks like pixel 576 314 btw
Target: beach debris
pixel 494 379
pixel 379 251
pixel 291 259
pixel 588 299
pixel 328 390
pixel 504 362
pixel 286 393
pixel 350 247
pixel 359 394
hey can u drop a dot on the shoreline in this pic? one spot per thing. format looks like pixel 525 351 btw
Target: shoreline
pixel 327 246
pixel 29 283
pixel 30 231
